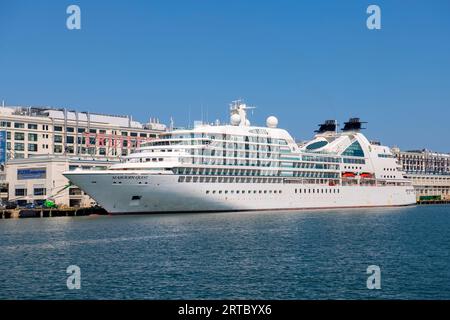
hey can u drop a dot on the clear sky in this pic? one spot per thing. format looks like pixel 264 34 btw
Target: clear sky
pixel 303 61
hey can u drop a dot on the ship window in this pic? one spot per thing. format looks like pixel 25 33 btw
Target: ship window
pixel 316 145
pixel 136 198
pixel 354 150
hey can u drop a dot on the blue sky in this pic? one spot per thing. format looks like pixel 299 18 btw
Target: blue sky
pixel 303 61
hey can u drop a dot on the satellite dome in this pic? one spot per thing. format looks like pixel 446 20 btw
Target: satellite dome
pixel 272 122
pixel 235 119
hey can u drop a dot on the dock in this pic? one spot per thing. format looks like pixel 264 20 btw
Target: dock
pixel 48 213
pixel 421 202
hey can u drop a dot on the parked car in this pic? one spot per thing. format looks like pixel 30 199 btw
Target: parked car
pixel 30 206
pixel 10 205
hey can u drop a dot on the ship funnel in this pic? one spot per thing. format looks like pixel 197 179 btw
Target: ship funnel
pixel 354 124
pixel 327 126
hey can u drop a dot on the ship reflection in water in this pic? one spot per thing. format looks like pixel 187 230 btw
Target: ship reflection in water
pixel 264 255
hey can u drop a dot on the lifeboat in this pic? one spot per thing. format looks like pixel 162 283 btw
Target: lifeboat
pixel 348 175
pixel 366 175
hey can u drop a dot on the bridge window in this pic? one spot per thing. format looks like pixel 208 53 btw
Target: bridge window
pixel 354 150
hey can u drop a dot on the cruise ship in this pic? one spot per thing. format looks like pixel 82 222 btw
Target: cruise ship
pixel 240 167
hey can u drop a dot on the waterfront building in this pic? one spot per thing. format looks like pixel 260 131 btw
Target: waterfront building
pixel 29 132
pixel 35 179
pixel 32 131
pixel 429 172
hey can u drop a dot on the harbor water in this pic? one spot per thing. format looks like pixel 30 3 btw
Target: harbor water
pixel 248 255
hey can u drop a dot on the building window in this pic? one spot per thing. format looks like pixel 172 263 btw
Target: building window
pixel 32 137
pixel 21 192
pixel 69 149
pixel 32 147
pixel 32 126
pixel 58 128
pixel 58 139
pixel 5 124
pixel 19 136
pixel 39 191
pixel 81 140
pixel 69 139
pixel 19 125
pixel 81 130
pixel 69 129
pixel 102 151
pixel 58 148
pixel 19 147
pixel 133 134
pixel 45 127
pixel 92 130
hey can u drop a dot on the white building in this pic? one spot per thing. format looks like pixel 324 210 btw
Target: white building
pixel 29 132
pixel 32 131
pixel 429 172
pixel 35 179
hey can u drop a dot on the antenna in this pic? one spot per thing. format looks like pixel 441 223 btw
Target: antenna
pixel 201 112
pixel 189 116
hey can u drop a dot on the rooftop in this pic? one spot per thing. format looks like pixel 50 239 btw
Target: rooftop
pixel 83 116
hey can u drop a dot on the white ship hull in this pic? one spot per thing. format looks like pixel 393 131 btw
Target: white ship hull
pixel 127 192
